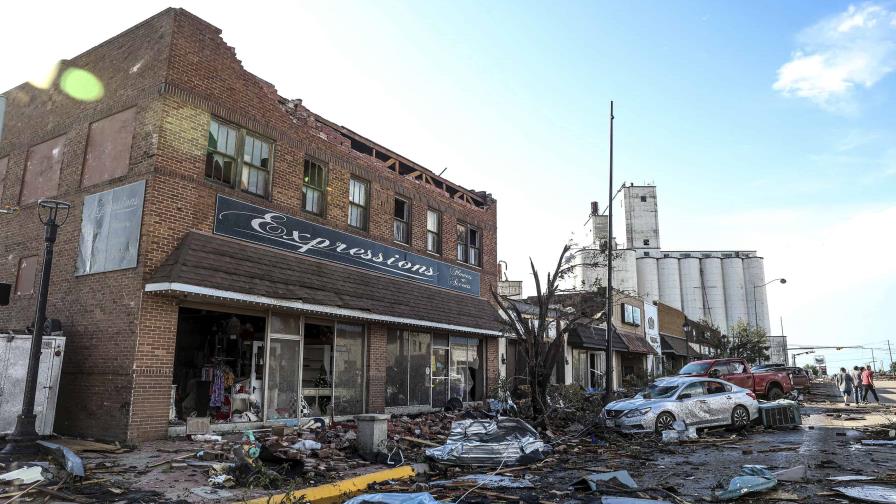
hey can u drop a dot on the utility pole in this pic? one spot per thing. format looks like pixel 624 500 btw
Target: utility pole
pixel 610 243
pixel 889 349
pixel 873 362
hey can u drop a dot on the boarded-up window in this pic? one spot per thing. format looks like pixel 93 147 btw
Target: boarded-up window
pixel 42 171
pixel 108 148
pixel 25 278
pixel 4 164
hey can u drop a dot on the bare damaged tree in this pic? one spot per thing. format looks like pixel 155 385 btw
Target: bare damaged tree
pixel 531 322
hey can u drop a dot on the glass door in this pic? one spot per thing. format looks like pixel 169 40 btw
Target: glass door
pixel 439 372
pixel 348 366
pixel 283 373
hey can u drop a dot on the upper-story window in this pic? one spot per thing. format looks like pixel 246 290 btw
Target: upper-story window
pixel 433 231
pixel 233 154
pixel 358 203
pixel 26 275
pixel 314 186
pixel 468 244
pixel 42 167
pixel 4 163
pixel 631 314
pixel 402 213
pixel 108 148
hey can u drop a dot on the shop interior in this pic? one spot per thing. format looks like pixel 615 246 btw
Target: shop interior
pixel 218 366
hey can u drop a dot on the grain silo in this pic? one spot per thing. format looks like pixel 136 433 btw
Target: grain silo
pixel 648 278
pixel 670 286
pixel 735 295
pixel 754 283
pixel 691 288
pixel 714 292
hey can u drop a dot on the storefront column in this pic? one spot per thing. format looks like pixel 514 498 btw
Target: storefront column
pixel 491 366
pixel 376 368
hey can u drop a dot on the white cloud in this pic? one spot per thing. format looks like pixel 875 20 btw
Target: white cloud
pixel 853 49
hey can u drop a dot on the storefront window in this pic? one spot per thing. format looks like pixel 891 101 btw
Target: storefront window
pixel 317 367
pixel 348 391
pixel 466 377
pixel 408 368
pixel 283 378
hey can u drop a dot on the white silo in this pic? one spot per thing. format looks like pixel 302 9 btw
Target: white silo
pixel 691 288
pixel 625 276
pixel 757 301
pixel 648 278
pixel 714 292
pixel 735 294
pixel 670 285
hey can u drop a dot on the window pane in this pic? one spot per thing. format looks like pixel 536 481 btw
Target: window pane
pixel 461 243
pixel 265 155
pixel 218 167
pixel 432 242
pixel 474 256
pixel 401 209
pixel 400 231
pixel 396 368
pixel 432 221
pixel 348 378
pixel 312 199
pixel 213 135
pixel 419 358
pixel 283 379
pixel 474 237
pixel 357 192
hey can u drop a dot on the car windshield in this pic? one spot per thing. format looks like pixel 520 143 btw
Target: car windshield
pixel 695 368
pixel 658 391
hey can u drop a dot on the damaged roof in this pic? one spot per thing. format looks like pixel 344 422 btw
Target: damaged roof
pixel 215 262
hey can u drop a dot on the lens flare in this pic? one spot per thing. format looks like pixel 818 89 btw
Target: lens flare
pixel 81 84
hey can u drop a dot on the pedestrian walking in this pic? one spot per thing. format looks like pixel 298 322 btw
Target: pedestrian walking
pixel 856 379
pixel 868 386
pixel 845 384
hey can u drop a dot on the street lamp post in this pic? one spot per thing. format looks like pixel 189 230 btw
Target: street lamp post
pixel 756 305
pixel 686 327
pixel 21 442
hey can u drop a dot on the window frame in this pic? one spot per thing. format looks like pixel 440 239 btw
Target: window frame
pixel 236 181
pixel 323 190
pixel 365 207
pixel 467 243
pixel 406 221
pixel 18 283
pixel 437 232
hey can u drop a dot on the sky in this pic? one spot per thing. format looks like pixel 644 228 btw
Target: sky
pixel 765 125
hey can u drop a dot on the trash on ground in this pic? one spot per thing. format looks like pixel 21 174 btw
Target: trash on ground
pixel 65 456
pixel 795 474
pixel 591 480
pixel 680 432
pixel 879 442
pixel 870 493
pixel 207 438
pixel 221 480
pixel 487 481
pixel 611 499
pixel 752 479
pixel 23 476
pixel 306 445
pixel 852 477
pixel 394 498
pixel 506 441
pixel 780 413
pixel 211 493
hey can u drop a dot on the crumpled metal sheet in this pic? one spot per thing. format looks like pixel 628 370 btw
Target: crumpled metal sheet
pixel 487 481
pixel 65 456
pixel 507 441
pixel 394 498
pixel 870 493
pixel 752 479
pixel 592 479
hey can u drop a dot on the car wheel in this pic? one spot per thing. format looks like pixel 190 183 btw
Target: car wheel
pixel 664 421
pixel 775 393
pixel 740 417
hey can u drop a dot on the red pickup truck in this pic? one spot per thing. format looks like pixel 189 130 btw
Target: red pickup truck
pixel 772 384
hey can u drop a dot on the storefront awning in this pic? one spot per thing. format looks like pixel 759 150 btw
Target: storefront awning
pixel 209 266
pixel 674 345
pixel 593 338
pixel 637 343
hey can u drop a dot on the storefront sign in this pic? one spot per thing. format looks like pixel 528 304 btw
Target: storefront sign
pixel 248 222
pixel 110 229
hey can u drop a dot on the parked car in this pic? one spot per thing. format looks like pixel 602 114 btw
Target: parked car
pixel 772 384
pixel 799 377
pixel 699 402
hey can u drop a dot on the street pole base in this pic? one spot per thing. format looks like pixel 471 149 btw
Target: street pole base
pixel 22 442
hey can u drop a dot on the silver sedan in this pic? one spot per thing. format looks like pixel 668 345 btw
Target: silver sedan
pixel 698 402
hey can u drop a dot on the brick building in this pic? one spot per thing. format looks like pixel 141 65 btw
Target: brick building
pixel 230 253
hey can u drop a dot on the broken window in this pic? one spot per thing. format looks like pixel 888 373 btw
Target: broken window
pixel 236 155
pixel 42 166
pixel 407 368
pixel 400 223
pixel 646 243
pixel 256 166
pixel 108 148
pixel 433 231
pixel 314 186
pixel 468 245
pixel 25 277
pixel 4 164
pixel 358 202
pixel 461 243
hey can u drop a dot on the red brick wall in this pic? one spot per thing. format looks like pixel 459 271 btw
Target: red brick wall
pixel 376 368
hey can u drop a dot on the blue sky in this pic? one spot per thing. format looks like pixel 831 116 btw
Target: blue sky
pixel 765 125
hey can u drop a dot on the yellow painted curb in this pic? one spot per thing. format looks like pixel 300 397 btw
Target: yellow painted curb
pixel 333 491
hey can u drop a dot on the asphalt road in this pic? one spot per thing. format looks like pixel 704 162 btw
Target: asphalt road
pixel 887 391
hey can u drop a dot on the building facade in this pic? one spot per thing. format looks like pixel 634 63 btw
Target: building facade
pixel 231 254
pixel 719 286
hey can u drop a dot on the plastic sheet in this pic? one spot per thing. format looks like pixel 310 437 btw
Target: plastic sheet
pixel 507 441
pixel 394 498
pixel 65 456
pixel 870 493
pixel 752 479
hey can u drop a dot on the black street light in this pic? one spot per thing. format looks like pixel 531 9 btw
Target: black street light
pixel 686 327
pixel 755 304
pixel 21 442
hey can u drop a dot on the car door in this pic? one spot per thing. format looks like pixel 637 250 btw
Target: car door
pixel 737 374
pixel 693 406
pixel 719 401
